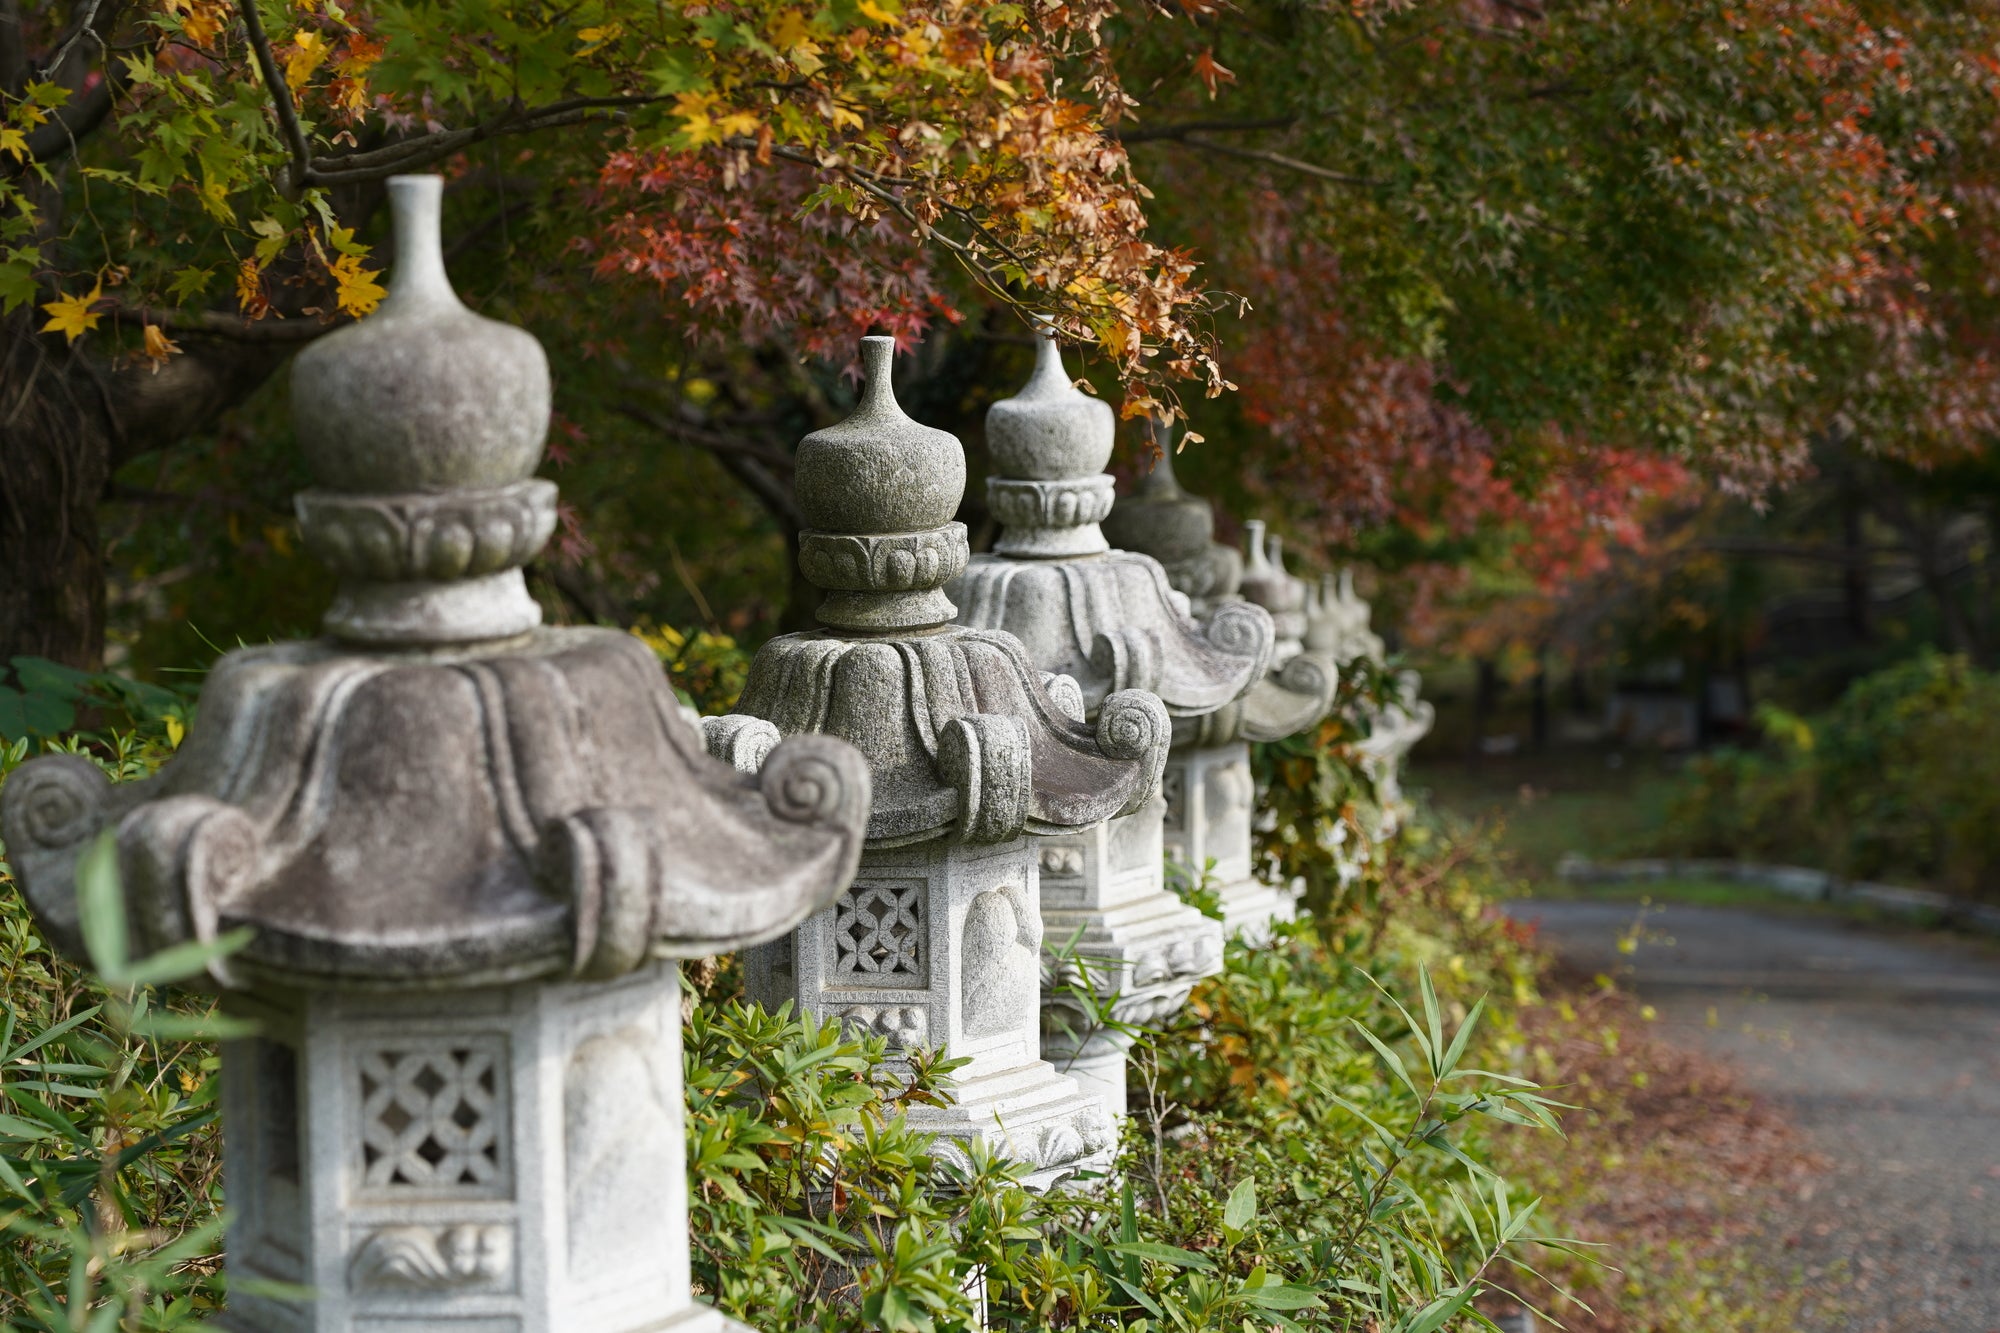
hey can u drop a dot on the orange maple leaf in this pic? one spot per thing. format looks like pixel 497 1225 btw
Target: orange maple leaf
pixel 159 346
pixel 1211 73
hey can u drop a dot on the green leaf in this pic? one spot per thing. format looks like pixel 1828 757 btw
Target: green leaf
pixel 1464 1036
pixel 17 283
pixel 1389 1057
pixel 1171 1255
pixel 675 74
pixel 189 284
pixel 180 961
pixel 100 905
pixel 1241 1209
pixel 48 1035
pixel 1287 1297
pixel 1434 1315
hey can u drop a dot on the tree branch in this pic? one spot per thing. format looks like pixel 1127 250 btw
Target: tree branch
pixel 1149 134
pixel 77 29
pixel 381 163
pixel 13 49
pixel 745 462
pixel 232 328
pixel 1276 160
pixel 281 94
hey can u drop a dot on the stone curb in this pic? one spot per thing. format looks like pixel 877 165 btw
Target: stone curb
pixel 1792 881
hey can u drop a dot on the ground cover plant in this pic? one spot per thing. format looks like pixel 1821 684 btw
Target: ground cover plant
pixel 1313 1144
pixel 1330 1178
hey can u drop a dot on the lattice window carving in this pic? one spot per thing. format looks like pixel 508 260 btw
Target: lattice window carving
pixel 878 932
pixel 433 1118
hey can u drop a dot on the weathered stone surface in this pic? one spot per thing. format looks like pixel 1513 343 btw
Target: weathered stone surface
pixel 1111 623
pixel 1211 796
pixel 524 819
pixel 1108 620
pixel 970 748
pixel 960 734
pixel 1112 932
pixel 937 944
pixel 1337 622
pixel 1208 783
pixel 878 472
pixel 441 822
pixel 1164 521
pixel 1050 430
pixel 1284 702
pixel 423 395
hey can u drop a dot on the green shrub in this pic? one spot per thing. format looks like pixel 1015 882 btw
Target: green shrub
pixel 1899 780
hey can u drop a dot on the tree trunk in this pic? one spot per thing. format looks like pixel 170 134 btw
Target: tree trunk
pixel 54 462
pixel 1855 588
pixel 1538 715
pixel 66 423
pixel 1484 696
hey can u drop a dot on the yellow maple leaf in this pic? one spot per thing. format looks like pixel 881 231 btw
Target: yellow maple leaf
pixel 355 287
pixel 159 346
pixel 13 142
pixel 72 316
pixel 594 39
pixel 203 23
pixel 876 12
pixel 308 53
pixel 790 30
pixel 739 122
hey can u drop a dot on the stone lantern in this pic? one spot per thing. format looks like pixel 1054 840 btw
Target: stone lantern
pixel 1111 621
pixel 1270 585
pixel 1210 791
pixel 976 755
pixel 469 850
pixel 1337 624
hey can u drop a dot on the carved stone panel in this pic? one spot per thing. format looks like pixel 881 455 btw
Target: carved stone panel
pixel 621 1145
pixel 433 1117
pixel 465 1257
pixel 999 960
pixel 878 933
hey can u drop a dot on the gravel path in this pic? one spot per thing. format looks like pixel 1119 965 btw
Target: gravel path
pixel 1882 1045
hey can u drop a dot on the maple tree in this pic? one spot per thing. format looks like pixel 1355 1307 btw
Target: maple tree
pixel 1527 272
pixel 1518 272
pixel 185 186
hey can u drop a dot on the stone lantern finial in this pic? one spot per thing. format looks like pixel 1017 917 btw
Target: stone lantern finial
pixel 1267 583
pixel 877 491
pixel 423 425
pixel 974 752
pixel 1162 520
pixel 468 851
pixel 1049 444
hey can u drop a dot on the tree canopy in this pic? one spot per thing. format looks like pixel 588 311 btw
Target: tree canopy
pixel 1489 277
